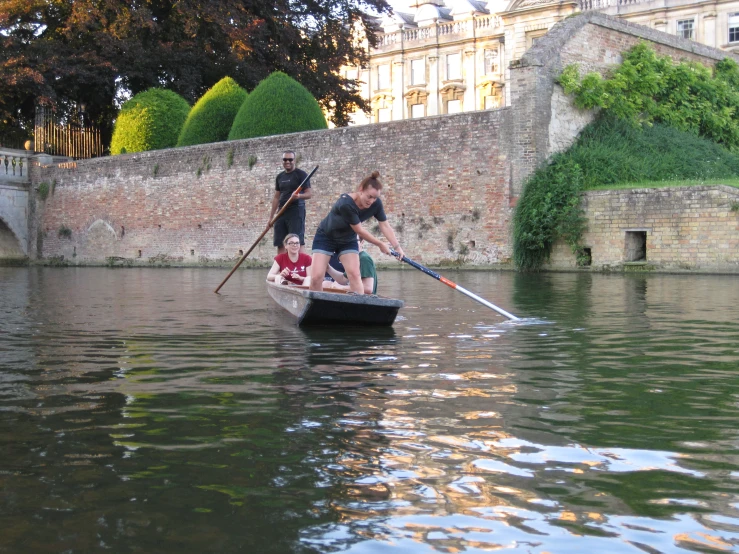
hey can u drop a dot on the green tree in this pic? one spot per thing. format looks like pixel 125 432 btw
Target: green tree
pixel 278 105
pixel 211 118
pixel 151 120
pixel 90 51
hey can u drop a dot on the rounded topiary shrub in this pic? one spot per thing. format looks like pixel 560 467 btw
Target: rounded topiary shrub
pixel 279 104
pixel 212 116
pixel 149 121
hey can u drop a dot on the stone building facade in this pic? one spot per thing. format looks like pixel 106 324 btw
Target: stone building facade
pixel 448 56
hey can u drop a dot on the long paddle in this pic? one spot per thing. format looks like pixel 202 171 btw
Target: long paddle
pixel 454 285
pixel 269 226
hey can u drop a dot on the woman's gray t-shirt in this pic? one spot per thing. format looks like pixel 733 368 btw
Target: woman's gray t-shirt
pixel 337 224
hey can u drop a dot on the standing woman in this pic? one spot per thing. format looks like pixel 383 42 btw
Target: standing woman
pixel 337 233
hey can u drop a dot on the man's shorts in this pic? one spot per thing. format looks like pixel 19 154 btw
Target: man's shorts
pixel 322 244
pixel 292 221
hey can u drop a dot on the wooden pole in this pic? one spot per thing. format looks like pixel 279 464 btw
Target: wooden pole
pixel 269 226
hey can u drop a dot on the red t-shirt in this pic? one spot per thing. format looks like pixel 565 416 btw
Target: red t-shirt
pixel 300 267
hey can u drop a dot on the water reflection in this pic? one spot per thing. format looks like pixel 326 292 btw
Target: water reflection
pixel 139 409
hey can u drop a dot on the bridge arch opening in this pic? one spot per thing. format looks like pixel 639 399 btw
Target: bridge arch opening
pixel 10 246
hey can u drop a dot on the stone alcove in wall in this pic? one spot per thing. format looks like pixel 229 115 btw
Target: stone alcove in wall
pixel 100 241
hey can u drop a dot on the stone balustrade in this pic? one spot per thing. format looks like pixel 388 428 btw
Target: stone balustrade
pixel 467 26
pixel 14 165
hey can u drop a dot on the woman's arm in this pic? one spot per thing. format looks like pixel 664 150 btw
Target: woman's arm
pixel 369 237
pixel 386 230
pixel 274 272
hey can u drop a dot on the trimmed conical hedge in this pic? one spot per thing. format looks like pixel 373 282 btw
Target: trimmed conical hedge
pixel 212 116
pixel 149 121
pixel 278 105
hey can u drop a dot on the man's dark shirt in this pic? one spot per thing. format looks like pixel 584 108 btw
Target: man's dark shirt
pixel 286 183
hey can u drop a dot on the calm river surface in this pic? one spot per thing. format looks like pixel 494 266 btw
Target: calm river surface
pixel 140 412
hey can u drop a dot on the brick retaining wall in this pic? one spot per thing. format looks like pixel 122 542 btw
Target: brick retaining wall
pixel 446 190
pixel 686 228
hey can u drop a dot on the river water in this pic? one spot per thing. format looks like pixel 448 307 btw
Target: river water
pixel 140 412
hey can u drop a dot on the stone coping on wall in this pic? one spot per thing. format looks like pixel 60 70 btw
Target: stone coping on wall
pixel 546 50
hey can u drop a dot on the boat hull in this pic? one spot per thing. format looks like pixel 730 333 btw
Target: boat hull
pixel 334 308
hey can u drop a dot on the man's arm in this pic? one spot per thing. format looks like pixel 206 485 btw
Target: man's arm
pixel 337 276
pixel 369 284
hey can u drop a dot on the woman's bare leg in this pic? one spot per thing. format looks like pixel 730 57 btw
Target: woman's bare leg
pixel 351 267
pixel 318 270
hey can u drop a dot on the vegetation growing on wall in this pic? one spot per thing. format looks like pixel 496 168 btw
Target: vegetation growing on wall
pixel 607 152
pixel 151 120
pixel 647 88
pixel 654 113
pixel 278 105
pixel 212 116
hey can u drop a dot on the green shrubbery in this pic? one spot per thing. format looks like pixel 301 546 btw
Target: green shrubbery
pixel 654 113
pixel 212 117
pixel 607 152
pixel 648 88
pixel 149 121
pixel 279 104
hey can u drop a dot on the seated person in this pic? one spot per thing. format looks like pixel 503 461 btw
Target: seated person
pixel 335 263
pixel 291 266
pixel 367 272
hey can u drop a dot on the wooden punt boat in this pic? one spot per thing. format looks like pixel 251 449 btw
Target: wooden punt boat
pixel 331 307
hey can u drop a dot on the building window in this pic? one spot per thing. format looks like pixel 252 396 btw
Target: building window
pixel 383 76
pixel 533 36
pixel 418 72
pixel 453 66
pixel 685 28
pixel 383 114
pixel 418 110
pixel 454 106
pixel 492 102
pixel 734 27
pixel 491 61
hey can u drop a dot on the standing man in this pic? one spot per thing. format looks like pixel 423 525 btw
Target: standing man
pixel 293 219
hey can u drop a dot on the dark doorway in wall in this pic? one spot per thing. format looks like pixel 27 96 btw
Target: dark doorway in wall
pixel 586 258
pixel 636 246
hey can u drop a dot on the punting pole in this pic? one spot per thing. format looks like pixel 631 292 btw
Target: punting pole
pixel 269 226
pixel 454 285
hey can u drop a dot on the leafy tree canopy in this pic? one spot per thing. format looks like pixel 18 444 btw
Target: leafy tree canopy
pixel 90 51
pixel 150 120
pixel 278 105
pixel 211 118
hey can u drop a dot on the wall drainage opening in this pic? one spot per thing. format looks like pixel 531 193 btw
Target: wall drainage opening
pixel 586 258
pixel 636 246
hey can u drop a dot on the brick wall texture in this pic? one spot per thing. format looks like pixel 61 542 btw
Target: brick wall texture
pixel 686 228
pixel 450 181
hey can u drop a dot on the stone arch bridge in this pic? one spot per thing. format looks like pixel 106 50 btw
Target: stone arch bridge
pixel 14 190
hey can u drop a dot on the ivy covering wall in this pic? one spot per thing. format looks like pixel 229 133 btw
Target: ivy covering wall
pixel 659 121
